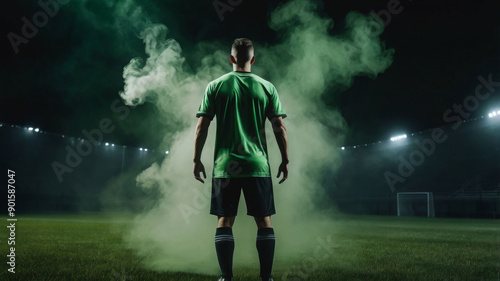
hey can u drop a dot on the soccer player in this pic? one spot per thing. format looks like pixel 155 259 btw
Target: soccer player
pixel 242 101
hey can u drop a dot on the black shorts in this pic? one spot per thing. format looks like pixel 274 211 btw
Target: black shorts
pixel 258 194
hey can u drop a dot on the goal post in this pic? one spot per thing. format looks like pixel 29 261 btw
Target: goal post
pixel 415 204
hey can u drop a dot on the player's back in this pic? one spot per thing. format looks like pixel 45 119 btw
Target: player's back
pixel 241 102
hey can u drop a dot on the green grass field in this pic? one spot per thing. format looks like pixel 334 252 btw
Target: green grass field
pixel 86 247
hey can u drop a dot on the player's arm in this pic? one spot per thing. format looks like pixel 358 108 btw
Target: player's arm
pixel 199 141
pixel 282 140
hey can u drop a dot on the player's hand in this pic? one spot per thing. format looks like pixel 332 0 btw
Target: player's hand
pixel 197 169
pixel 283 169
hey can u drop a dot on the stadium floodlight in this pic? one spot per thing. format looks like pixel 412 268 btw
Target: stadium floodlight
pixel 30 128
pixel 396 138
pixel 145 149
pixel 167 152
pixel 494 114
pixel 106 144
pixel 140 149
pixel 112 144
pixel 343 148
pixel 37 130
pixel 415 204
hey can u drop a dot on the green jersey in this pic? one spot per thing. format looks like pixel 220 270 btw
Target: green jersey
pixel 241 101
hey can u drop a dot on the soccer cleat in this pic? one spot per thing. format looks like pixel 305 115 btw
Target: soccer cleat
pixel 225 279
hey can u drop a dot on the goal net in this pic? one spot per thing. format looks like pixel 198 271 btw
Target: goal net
pixel 415 204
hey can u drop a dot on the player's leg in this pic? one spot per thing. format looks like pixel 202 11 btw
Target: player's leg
pixel 265 246
pixel 225 221
pixel 224 204
pixel 263 222
pixel 260 204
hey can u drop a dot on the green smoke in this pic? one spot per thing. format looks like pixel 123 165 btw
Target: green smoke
pixel 307 63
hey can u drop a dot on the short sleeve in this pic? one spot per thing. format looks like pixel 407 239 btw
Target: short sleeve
pixel 275 108
pixel 206 108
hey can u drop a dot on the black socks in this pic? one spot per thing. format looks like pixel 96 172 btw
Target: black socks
pixel 265 247
pixel 224 245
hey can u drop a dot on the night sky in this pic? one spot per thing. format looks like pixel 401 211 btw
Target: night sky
pixel 65 78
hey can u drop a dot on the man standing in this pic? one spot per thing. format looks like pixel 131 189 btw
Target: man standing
pixel 242 101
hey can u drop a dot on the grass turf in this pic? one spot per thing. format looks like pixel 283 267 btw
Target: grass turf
pixel 85 247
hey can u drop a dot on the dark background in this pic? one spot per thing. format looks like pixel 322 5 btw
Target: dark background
pixel 66 77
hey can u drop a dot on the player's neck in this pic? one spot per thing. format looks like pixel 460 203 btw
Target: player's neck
pixel 247 68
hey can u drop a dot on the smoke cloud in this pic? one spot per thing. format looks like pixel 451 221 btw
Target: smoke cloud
pixel 176 233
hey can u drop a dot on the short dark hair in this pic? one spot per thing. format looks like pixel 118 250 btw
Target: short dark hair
pixel 242 50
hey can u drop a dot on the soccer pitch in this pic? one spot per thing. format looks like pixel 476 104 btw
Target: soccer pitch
pixel 90 247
